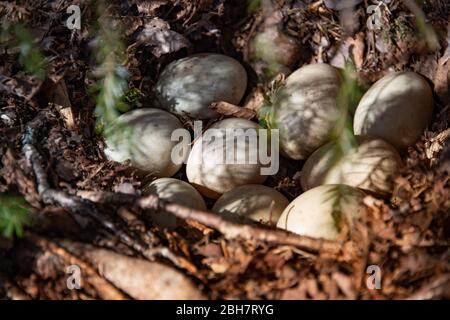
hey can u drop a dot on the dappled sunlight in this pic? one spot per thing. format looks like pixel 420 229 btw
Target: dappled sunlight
pixel 370 165
pixel 188 86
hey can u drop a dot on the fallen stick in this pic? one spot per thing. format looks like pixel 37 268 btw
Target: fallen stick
pixel 81 208
pixel 229 229
pixel 228 109
pixel 238 231
pixel 84 208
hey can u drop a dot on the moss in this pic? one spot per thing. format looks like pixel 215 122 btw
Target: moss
pixel 132 97
pixel 253 5
pixel 401 29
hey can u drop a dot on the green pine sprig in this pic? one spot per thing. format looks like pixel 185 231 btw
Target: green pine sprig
pixel 14 215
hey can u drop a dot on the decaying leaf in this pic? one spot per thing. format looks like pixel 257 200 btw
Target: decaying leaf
pixel 442 77
pixel 157 35
pixel 228 109
pixel 23 86
pixel 406 236
pixel 352 49
pixel 149 7
pixel 58 95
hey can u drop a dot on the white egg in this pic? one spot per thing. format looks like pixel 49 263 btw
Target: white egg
pixel 272 51
pixel 221 161
pixel 370 165
pixel 256 202
pixel 306 110
pixel 143 136
pixel 188 86
pixel 397 108
pixel 174 191
pixel 320 212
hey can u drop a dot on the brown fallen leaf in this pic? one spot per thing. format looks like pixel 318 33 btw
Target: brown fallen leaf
pixel 149 7
pixel 351 48
pixel 13 291
pixel 228 109
pixel 21 85
pixel 255 99
pixel 442 77
pixel 445 158
pixel 157 35
pixel 58 95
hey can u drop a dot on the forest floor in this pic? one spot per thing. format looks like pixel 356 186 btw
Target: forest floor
pixel 87 212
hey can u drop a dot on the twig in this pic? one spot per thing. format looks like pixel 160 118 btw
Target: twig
pixel 80 207
pixel 106 197
pixel 234 231
pixel 229 229
pixel 83 207
pixel 228 109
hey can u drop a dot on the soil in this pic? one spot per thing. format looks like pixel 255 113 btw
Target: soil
pixel 52 155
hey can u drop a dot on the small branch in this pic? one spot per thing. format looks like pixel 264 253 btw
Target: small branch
pixel 238 231
pixel 25 88
pixel 83 208
pixel 228 109
pixel 229 229
pixel 106 197
pixel 80 207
